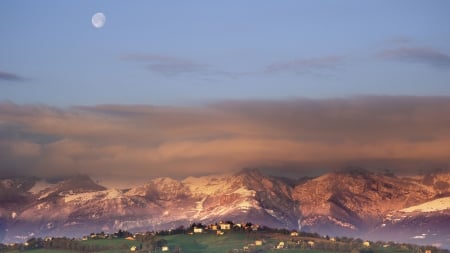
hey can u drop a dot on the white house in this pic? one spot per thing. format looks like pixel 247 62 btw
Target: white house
pixel 225 226
pixel 198 230
pixel 280 245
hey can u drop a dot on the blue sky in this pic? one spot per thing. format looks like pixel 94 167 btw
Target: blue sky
pixel 178 52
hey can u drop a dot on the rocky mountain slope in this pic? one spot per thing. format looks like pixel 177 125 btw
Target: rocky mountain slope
pixel 356 203
pixel 355 200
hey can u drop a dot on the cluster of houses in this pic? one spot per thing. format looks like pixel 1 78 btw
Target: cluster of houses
pixel 221 227
pixel 282 244
pixel 103 235
pixel 135 248
pixel 199 228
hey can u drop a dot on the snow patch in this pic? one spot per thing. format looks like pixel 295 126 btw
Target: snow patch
pixel 104 195
pixel 431 206
pixel 45 195
pixel 39 186
pixel 209 185
pixel 246 205
pixel 342 223
pixel 245 192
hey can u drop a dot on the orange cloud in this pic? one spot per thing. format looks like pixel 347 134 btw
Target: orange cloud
pixel 150 141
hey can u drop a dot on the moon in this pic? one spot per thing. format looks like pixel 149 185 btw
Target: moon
pixel 98 20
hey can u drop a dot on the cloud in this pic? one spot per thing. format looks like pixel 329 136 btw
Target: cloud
pixel 300 66
pixel 303 135
pixel 7 76
pixel 167 65
pixel 171 66
pixel 427 56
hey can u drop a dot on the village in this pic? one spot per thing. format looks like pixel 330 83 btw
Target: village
pixel 222 236
pixel 291 239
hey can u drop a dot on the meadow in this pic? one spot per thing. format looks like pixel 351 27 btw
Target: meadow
pixel 230 241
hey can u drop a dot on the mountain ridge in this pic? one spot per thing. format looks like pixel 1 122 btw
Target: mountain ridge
pixel 353 202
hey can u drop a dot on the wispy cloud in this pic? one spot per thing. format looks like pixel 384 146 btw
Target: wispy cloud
pixel 171 66
pixel 7 76
pixel 306 65
pixel 152 141
pixel 427 56
pixel 167 65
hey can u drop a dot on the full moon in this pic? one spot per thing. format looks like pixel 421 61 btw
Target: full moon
pixel 98 20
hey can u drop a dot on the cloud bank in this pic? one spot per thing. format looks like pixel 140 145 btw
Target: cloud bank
pixel 303 135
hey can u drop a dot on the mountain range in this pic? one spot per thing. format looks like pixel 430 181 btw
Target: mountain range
pixel 355 202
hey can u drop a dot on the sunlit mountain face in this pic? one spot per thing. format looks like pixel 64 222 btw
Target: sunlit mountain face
pixel 322 117
pixel 352 202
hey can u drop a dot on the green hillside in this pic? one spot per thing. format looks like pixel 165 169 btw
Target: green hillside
pixel 230 241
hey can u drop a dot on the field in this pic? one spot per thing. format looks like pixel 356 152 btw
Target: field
pixel 211 243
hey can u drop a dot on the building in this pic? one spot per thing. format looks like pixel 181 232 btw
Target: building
pixel 366 243
pixel 311 243
pixel 280 245
pixel 294 233
pixel 165 248
pixel 198 230
pixel 129 238
pixel 258 243
pixel 225 226
pixel 218 232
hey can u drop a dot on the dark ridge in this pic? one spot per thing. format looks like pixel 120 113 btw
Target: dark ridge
pixel 251 172
pixel 355 171
pixel 79 183
pixel 292 182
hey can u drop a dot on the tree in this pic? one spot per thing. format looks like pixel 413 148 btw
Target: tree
pixel 123 234
pixel 160 242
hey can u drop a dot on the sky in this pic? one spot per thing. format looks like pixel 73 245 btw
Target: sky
pixel 194 87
